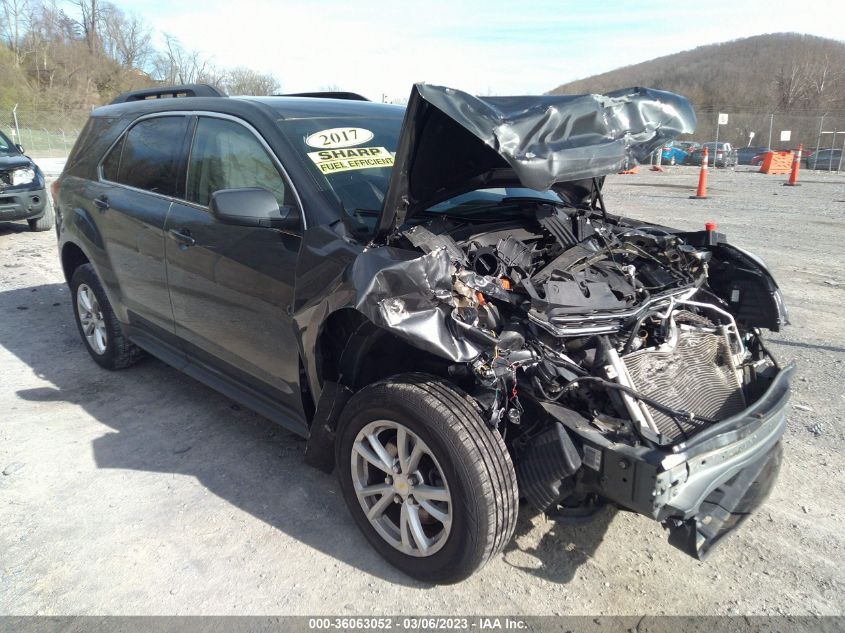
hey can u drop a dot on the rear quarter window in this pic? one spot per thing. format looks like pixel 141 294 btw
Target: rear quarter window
pixel 93 140
pixel 151 153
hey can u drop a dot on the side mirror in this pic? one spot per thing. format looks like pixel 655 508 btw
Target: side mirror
pixel 251 206
pixel 20 148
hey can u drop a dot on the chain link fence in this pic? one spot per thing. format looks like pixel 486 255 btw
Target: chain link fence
pixel 42 135
pixel 776 130
pixel 44 143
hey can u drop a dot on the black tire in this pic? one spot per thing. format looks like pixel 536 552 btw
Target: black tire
pixel 474 461
pixel 119 352
pixel 46 221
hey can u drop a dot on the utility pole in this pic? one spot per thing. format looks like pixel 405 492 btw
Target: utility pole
pixel 771 123
pixel 17 129
pixel 819 139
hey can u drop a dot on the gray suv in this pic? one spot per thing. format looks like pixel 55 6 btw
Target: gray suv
pixel 438 299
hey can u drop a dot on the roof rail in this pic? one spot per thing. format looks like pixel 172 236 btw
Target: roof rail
pixel 169 92
pixel 349 96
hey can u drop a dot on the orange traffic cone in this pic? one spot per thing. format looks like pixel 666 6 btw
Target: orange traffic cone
pixel 701 193
pixel 796 167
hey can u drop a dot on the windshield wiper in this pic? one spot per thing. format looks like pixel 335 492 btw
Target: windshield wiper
pixel 538 199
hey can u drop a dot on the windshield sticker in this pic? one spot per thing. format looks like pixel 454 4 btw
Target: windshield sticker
pixel 339 137
pixel 330 161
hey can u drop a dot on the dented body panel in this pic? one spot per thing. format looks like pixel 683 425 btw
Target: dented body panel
pixel 453 142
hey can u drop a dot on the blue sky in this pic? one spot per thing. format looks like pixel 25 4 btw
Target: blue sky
pixel 494 46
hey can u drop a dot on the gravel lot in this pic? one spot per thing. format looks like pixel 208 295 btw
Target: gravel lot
pixel 144 492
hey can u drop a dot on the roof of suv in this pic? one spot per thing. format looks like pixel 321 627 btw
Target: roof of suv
pixel 277 107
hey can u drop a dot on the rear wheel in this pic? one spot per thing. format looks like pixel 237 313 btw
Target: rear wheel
pixel 428 483
pixel 98 326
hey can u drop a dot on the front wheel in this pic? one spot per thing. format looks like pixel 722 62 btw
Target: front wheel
pixel 428 483
pixel 47 219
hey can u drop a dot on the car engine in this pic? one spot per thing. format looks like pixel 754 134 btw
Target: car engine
pixel 614 320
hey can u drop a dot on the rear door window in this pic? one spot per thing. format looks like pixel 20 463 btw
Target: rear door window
pixel 150 157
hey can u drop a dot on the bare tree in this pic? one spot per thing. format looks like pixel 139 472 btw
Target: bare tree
pixel 176 65
pixel 13 26
pixel 789 82
pixel 126 38
pixel 245 81
pixel 90 20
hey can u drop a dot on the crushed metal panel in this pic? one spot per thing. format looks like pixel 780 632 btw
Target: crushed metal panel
pixel 453 142
pixel 412 298
pixel 548 139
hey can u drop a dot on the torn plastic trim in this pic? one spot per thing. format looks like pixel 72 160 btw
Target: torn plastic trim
pixel 727 507
pixel 452 142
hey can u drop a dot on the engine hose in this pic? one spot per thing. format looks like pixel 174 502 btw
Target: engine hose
pixel 767 352
pixel 675 414
pixel 539 387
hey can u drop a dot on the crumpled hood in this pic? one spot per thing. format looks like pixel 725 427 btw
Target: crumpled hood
pixel 452 142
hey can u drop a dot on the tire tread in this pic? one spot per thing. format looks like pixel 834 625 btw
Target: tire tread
pixel 123 352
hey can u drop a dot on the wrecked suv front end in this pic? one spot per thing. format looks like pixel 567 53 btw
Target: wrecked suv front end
pixel 617 360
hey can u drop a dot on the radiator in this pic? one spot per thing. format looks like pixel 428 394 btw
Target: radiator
pixel 696 375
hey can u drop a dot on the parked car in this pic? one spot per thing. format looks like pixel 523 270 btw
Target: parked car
pixel 824 159
pixel 744 155
pixel 687 146
pixel 673 154
pixel 450 334
pixel 22 189
pixel 720 155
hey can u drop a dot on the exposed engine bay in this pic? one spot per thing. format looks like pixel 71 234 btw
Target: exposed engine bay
pixel 641 331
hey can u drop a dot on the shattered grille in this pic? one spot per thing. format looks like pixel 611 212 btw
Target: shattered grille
pixel 695 376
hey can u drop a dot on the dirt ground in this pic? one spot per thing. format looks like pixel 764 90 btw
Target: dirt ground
pixel 144 492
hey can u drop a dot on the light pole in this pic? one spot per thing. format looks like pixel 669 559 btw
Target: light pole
pixel 17 129
pixel 771 123
pixel 819 138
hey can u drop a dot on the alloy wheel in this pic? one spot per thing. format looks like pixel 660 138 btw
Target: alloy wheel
pixel 91 319
pixel 402 488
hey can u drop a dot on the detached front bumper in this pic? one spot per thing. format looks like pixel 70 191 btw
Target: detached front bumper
pixel 704 487
pixel 16 204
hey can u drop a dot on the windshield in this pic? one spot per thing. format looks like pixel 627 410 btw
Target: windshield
pixel 6 146
pixel 351 159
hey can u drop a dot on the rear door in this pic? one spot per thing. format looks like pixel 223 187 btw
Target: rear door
pixel 231 287
pixel 139 177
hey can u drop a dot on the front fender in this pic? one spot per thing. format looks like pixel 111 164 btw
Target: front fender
pixel 401 291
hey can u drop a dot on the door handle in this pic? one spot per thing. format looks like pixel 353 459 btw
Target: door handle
pixel 183 236
pixel 102 203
